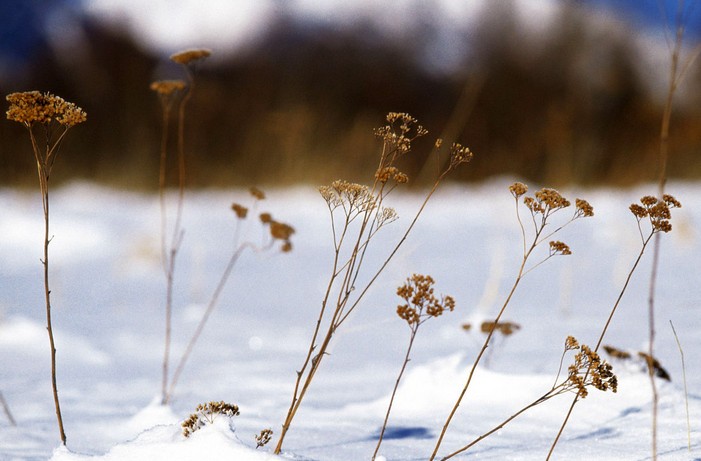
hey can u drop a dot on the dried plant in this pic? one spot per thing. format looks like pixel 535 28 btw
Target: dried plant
pixel 277 232
pixel 504 327
pixel 263 438
pixel 357 213
pixel 206 414
pixel 169 91
pixel 542 207
pixel 653 217
pixel 587 370
pixel 420 304
pixel 53 117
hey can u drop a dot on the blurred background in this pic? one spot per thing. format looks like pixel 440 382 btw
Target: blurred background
pixel 556 92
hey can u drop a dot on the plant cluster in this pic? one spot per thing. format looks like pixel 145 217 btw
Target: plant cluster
pixel 206 414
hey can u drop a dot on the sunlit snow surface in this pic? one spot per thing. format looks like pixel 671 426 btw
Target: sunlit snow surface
pixel 108 290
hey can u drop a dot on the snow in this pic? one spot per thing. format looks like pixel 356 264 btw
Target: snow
pixel 108 290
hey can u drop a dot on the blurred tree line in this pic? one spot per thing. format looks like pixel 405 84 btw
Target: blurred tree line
pixel 301 104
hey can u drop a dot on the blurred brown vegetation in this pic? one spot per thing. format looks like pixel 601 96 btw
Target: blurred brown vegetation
pixel 301 104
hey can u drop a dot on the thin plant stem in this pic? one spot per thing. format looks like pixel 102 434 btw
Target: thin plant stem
pixel 394 391
pixel 6 409
pixel 178 232
pixel 662 179
pixel 351 268
pixel 482 351
pixel 601 338
pixel 686 391
pixel 200 326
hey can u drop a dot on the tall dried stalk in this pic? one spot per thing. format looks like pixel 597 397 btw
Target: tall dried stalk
pixel 168 91
pixel 361 211
pixel 420 305
pixel 278 231
pixel 675 77
pixel 658 214
pixel 542 207
pixel 587 371
pixel 52 114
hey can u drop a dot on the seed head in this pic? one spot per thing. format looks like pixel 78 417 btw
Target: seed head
pixel 583 208
pixel 32 106
pixel 190 56
pixel 240 210
pixel 167 87
pixel 518 189
pixel 557 247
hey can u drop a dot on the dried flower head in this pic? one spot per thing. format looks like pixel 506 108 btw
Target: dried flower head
pixel 588 370
pixel 353 197
pixel 657 211
pixel 187 57
pixel 207 413
pixel 654 366
pixel 617 353
pixel 257 193
pixel 34 107
pixel 400 132
pixel 459 154
pixel 167 87
pixel 518 189
pixel 240 210
pixel 265 218
pixel 559 248
pixel 583 209
pixel 281 231
pixel 420 302
pixel 505 328
pixel 263 438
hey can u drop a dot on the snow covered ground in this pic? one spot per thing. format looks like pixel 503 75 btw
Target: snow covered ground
pixel 108 291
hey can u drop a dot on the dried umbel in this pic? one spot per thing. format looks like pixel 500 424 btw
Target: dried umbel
pixel 263 438
pixel 31 107
pixel 559 248
pixel 588 370
pixel 187 57
pixel 167 87
pixel 503 327
pixel 240 210
pixel 657 211
pixel 421 303
pixel 354 198
pixel 206 414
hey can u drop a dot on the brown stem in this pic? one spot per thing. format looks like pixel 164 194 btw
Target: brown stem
pixel 178 232
pixel 49 329
pixel 414 329
pixel 519 277
pixel 601 338
pixel 210 308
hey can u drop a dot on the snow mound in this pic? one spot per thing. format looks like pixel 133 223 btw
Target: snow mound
pixel 216 441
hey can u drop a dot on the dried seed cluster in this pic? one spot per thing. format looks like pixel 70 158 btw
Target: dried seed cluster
pixel 190 56
pixel 421 303
pixel 650 362
pixel 588 370
pixel 31 107
pixel 207 413
pixel 263 438
pixel 167 87
pixel 278 230
pixel 656 210
pixel 559 248
pixel 505 328
pixel 354 198
pixel 400 132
